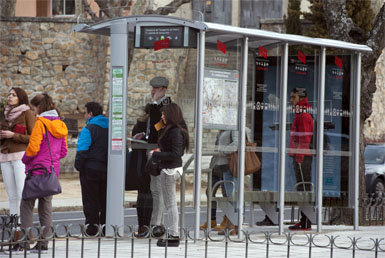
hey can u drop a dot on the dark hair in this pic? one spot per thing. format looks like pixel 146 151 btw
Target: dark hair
pixel 44 103
pixel 301 92
pixel 144 117
pixel 21 95
pixel 94 107
pixel 174 117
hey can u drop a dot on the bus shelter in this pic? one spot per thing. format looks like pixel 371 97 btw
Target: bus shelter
pixel 244 79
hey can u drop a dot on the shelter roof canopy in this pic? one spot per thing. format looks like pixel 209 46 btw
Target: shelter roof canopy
pixel 215 31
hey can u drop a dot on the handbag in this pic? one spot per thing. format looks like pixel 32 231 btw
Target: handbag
pixel 20 129
pixel 38 186
pixel 152 167
pixel 252 162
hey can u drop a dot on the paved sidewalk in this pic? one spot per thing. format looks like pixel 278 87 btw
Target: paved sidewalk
pixel 70 199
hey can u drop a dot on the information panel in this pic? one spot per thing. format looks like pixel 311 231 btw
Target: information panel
pixel 117 110
pixel 220 99
pixel 149 35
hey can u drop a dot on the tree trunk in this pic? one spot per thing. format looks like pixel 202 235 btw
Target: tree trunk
pixel 341 27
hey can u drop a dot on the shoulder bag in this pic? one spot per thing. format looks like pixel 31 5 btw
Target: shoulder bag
pixel 252 162
pixel 152 167
pixel 38 186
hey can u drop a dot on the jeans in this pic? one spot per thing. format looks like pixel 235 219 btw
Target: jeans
pixel 229 188
pixel 214 180
pixel 227 176
pixel 157 201
pixel 168 183
pixel 13 177
pixel 303 174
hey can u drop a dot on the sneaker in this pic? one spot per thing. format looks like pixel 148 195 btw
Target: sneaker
pixel 299 227
pixel 158 231
pixel 265 222
pixel 39 248
pixel 17 249
pixel 171 241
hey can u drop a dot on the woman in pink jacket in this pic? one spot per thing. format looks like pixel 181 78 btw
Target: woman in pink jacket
pixel 37 154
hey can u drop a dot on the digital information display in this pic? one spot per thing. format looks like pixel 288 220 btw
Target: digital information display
pixel 149 35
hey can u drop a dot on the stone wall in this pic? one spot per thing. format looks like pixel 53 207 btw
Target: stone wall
pixel 42 55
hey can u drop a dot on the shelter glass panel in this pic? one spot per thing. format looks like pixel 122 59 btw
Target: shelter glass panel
pixel 302 120
pixel 266 94
pixel 221 91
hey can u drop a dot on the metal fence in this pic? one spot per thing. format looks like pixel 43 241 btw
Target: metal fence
pixel 72 240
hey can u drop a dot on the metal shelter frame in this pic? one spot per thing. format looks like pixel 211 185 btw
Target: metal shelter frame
pixel 120 30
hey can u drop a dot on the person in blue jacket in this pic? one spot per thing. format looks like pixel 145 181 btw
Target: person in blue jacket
pixel 91 162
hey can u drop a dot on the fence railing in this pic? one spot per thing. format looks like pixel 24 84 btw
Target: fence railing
pixel 68 240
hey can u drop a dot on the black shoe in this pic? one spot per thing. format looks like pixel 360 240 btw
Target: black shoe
pixel 18 249
pixel 300 227
pixel 171 241
pixel 92 230
pixel 265 222
pixel 40 248
pixel 143 232
pixel 158 231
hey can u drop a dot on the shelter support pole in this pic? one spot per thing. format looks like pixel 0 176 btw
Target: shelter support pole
pixel 282 136
pixel 320 136
pixel 251 186
pixel 117 128
pixel 241 135
pixel 356 141
pixel 198 131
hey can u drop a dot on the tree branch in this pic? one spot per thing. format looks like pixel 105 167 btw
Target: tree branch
pixel 170 8
pixel 376 39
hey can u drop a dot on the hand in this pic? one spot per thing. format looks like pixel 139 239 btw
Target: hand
pixel 6 134
pixel 139 136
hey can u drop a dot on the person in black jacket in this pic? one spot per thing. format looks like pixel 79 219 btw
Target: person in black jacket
pixel 137 179
pixel 173 140
pixel 159 99
pixel 91 162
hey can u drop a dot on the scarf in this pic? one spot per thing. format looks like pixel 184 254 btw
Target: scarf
pixel 11 113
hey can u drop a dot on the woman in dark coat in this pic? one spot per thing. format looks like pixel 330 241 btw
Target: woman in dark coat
pixel 173 140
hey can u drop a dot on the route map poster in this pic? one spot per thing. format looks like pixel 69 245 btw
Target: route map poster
pixel 220 99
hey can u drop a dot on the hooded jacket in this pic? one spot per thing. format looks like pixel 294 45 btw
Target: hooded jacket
pixel 37 152
pixel 301 131
pixel 92 146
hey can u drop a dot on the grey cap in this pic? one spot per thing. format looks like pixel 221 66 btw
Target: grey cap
pixel 158 82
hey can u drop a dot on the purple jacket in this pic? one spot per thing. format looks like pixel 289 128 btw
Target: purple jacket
pixel 37 152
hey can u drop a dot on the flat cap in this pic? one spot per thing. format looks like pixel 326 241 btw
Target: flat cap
pixel 158 82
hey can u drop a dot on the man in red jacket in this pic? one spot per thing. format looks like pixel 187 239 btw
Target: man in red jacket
pixel 299 148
